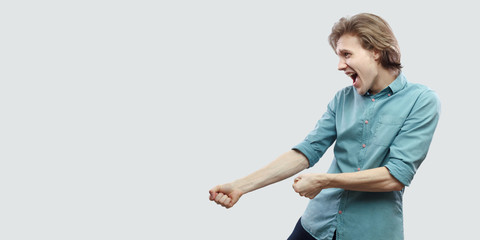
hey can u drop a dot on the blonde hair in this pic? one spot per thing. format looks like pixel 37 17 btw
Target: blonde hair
pixel 374 34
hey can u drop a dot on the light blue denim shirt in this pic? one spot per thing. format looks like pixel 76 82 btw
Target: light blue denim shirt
pixel 394 129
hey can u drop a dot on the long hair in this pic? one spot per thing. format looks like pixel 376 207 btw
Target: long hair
pixel 374 34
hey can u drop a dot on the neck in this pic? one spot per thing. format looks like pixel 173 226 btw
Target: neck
pixel 384 78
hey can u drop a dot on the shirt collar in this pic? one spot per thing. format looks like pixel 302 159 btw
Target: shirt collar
pixel 398 84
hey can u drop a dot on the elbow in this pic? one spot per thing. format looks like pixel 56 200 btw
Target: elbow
pixel 393 184
pixel 396 185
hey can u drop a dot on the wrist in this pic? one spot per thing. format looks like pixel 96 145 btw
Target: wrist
pixel 326 180
pixel 238 185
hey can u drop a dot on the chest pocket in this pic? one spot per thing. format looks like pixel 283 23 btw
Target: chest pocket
pixel 386 130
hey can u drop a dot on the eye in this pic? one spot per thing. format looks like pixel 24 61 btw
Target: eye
pixel 347 54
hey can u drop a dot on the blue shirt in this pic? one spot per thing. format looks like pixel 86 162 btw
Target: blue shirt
pixel 394 129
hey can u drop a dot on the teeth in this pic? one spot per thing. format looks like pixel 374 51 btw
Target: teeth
pixel 352 75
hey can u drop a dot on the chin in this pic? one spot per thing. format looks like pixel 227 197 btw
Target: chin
pixel 360 91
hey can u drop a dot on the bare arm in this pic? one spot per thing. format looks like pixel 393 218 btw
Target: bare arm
pixel 286 165
pixel 371 180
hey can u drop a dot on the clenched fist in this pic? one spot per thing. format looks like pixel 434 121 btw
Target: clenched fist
pixel 225 195
pixel 310 185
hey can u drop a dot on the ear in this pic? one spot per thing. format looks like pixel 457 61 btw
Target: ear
pixel 376 55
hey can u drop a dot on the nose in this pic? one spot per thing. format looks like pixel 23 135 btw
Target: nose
pixel 342 65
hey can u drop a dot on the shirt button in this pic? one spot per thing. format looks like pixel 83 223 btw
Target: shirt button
pixel 366 121
pixel 373 99
pixel 363 145
pixel 340 212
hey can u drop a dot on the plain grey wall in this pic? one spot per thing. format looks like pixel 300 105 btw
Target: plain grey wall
pixel 117 117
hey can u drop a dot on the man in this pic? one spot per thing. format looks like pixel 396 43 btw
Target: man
pixel 382 125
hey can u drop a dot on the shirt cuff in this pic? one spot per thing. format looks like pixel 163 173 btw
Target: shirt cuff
pixel 306 149
pixel 401 171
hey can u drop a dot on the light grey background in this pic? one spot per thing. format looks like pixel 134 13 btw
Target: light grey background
pixel 117 117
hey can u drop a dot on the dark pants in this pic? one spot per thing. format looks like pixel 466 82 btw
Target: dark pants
pixel 300 234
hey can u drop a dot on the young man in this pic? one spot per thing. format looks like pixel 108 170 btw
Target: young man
pixel 382 125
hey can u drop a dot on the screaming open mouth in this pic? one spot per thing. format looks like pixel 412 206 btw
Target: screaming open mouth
pixel 354 77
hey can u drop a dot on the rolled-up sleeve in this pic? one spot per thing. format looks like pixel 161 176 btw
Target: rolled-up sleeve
pixel 320 138
pixel 411 145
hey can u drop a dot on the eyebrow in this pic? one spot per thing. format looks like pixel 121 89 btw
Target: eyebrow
pixel 340 51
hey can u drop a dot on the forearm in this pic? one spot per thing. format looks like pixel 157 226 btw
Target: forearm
pixel 371 180
pixel 285 166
